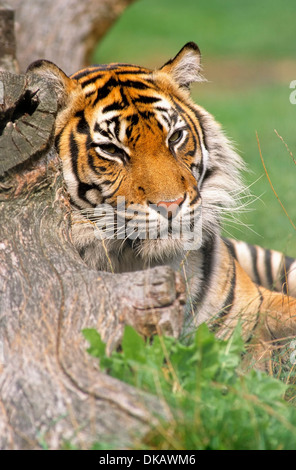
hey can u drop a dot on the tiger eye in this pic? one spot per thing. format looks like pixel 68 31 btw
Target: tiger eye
pixel 110 149
pixel 175 137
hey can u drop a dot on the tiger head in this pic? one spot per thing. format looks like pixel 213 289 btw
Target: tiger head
pixel 132 138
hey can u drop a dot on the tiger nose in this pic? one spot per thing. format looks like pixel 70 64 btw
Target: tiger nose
pixel 171 207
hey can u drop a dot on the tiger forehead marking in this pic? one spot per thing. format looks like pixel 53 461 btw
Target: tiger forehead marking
pixel 132 98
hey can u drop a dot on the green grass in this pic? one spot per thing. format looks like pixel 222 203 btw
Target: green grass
pixel 255 40
pixel 261 110
pixel 212 404
pixel 152 28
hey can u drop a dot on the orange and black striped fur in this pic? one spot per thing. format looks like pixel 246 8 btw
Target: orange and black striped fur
pixel 130 132
pixel 268 268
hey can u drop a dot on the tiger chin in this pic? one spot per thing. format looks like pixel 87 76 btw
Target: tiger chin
pixel 150 176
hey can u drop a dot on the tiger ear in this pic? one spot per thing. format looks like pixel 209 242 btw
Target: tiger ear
pixel 68 90
pixel 185 67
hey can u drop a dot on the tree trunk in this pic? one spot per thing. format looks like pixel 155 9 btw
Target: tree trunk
pixel 7 40
pixel 51 390
pixel 63 31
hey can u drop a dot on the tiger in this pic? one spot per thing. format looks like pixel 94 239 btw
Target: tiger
pixel 132 134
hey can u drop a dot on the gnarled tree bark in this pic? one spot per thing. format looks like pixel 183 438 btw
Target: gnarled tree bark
pixel 51 390
pixel 7 40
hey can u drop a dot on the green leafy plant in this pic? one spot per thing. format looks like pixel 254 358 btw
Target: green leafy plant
pixel 213 404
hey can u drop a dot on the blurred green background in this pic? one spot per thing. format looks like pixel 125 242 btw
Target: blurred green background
pixel 249 58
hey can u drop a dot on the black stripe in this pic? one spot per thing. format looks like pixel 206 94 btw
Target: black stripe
pixel 73 203
pixel 120 67
pixel 192 125
pixel 114 190
pixel 147 115
pixel 102 169
pixel 208 265
pixel 209 172
pixel 137 85
pixel 251 334
pixel 196 198
pixel 227 306
pixel 98 128
pixel 115 106
pixel 57 141
pixel 106 159
pixel 160 126
pixel 268 269
pixel 200 121
pixel 146 99
pixel 135 70
pixel 106 89
pixel 183 145
pixel 133 119
pixel 116 121
pixel 167 120
pixel 84 73
pixel 136 138
pixel 253 253
pixel 82 125
pixel 128 132
pixel 90 80
pixel 162 109
pixel 74 154
pixel 187 118
pixel 230 247
pixel 124 98
pixel 82 189
pixel 228 303
pixel 96 169
pixel 89 93
pixel 285 270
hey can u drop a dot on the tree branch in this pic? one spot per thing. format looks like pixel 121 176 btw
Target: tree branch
pixel 64 31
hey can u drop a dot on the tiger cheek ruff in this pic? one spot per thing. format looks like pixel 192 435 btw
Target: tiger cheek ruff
pixel 151 176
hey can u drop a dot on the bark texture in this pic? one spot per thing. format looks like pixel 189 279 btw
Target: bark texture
pixel 51 390
pixel 63 31
pixel 7 40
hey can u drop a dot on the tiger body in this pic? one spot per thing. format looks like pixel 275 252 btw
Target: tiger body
pixel 268 268
pixel 129 133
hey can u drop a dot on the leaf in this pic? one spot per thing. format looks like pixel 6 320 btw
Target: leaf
pixel 133 345
pixel 230 355
pixel 97 346
pixel 266 388
pixel 212 404
pixel 208 348
pixel 157 351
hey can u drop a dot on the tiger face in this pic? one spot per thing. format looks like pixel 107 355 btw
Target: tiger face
pixel 131 140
